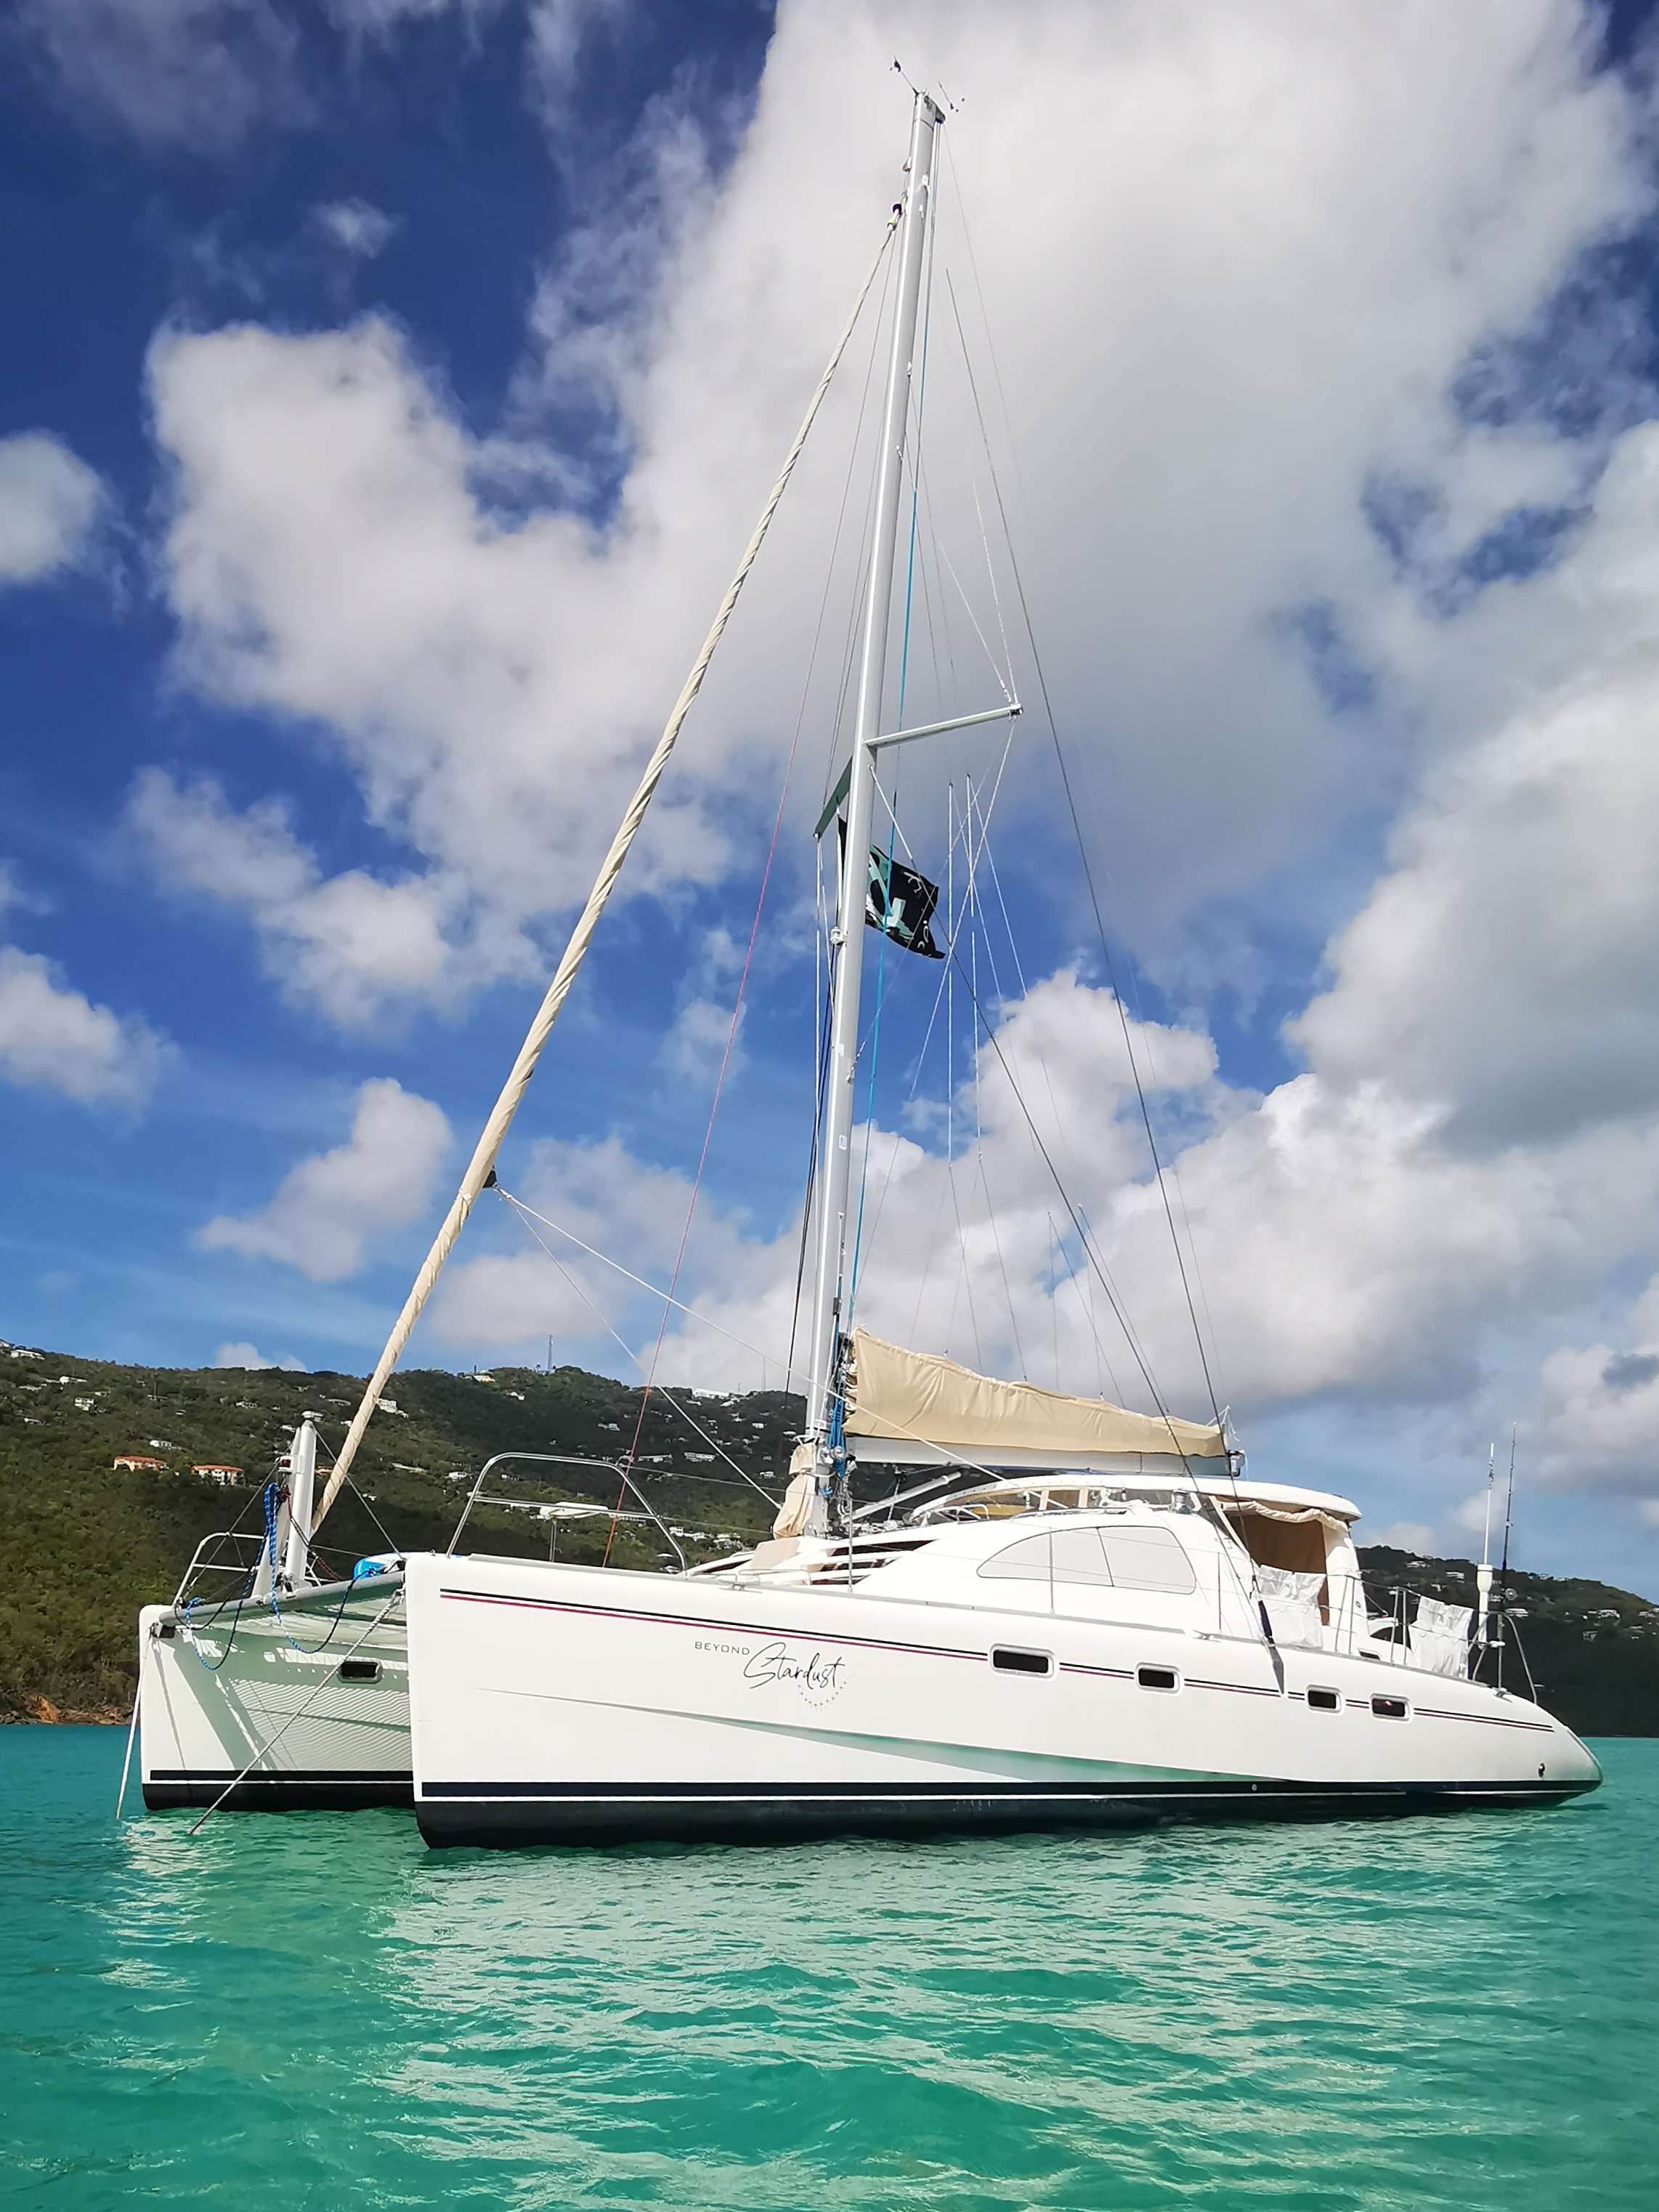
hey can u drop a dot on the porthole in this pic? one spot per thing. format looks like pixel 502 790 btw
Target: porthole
pixel 1389 1709
pixel 1157 1678
pixel 360 1670
pixel 1324 1701
pixel 1008 1659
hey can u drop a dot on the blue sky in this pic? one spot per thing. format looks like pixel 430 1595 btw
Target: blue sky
pixel 393 384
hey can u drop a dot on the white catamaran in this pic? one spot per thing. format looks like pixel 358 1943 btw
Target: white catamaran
pixel 1072 1613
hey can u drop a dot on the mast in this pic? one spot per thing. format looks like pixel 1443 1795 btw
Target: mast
pixel 847 938
pixel 481 1169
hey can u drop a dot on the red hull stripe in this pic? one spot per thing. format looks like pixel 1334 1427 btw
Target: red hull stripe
pixel 712 1627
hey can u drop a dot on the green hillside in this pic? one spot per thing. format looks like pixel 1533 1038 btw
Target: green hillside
pixel 1593 1651
pixel 85 1545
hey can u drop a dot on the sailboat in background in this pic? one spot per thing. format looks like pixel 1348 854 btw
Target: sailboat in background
pixel 1076 1612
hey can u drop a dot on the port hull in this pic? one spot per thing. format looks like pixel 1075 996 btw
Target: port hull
pixel 255 1704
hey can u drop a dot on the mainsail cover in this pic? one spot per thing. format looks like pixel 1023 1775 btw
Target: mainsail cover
pixel 921 1397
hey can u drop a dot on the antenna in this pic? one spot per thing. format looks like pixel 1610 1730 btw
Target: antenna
pixel 1504 1571
pixel 1483 1573
pixel 1492 1476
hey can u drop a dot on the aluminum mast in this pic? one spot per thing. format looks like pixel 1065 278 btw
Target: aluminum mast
pixel 836 1178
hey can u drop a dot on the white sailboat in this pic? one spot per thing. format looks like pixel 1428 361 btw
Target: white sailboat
pixel 1078 1613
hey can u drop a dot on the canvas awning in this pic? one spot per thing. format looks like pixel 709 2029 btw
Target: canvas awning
pixel 922 1397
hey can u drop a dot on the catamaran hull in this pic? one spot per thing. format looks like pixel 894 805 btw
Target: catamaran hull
pixel 554 1705
pixel 266 1713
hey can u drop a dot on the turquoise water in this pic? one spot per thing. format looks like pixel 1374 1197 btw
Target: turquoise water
pixel 309 2009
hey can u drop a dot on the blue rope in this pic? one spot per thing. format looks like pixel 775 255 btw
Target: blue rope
pixel 212 1666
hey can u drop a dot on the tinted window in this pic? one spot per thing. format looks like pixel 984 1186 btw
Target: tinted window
pixel 1026 1561
pixel 1149 1559
pixel 1155 1678
pixel 1078 1557
pixel 1021 1662
pixel 1389 1709
pixel 1324 1701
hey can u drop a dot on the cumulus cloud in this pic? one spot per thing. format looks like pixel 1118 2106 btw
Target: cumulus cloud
pixel 50 503
pixel 1270 333
pixel 53 1038
pixel 327 1213
pixel 1504 968
pixel 249 1355
pixel 491 671
pixel 353 944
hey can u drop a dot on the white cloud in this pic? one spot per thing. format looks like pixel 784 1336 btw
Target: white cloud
pixel 50 503
pixel 327 1213
pixel 697 1042
pixel 1413 1536
pixel 249 1355
pixel 356 227
pixel 191 72
pixel 630 1210
pixel 1504 967
pixel 352 944
pixel 1231 312
pixel 53 1038
pixel 337 553
pixel 560 34
pixel 702 1035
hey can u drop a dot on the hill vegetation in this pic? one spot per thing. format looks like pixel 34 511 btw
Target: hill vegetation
pixel 85 1543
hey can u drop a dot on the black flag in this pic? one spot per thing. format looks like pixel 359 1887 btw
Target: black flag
pixel 900 903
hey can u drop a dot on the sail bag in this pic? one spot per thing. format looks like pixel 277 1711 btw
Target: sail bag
pixel 923 1398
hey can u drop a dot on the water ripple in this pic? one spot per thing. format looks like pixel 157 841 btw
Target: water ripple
pixel 310 2010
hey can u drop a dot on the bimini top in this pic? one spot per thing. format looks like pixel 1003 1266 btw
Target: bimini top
pixel 923 1400
pixel 1072 1488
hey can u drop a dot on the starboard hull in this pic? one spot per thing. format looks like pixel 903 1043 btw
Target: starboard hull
pixel 553 1705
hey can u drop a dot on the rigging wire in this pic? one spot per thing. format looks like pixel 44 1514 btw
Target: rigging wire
pixel 1088 870
pixel 691 1419
pixel 709 1131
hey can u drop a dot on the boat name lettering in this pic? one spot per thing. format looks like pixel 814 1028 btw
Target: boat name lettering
pixel 816 1676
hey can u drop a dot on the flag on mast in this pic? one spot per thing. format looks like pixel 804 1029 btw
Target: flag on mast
pixel 899 902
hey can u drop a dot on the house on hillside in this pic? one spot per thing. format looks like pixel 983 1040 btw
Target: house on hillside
pixel 18 1351
pixel 216 1471
pixel 85 1405
pixel 163 1443
pixel 141 1461
pixel 389 1405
